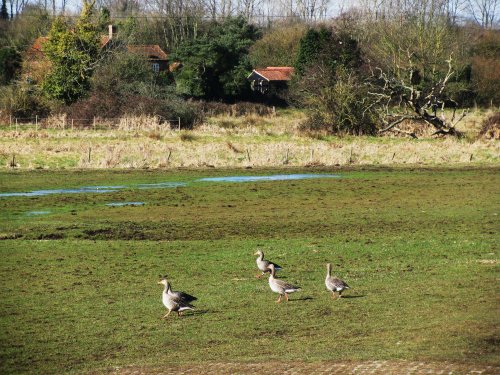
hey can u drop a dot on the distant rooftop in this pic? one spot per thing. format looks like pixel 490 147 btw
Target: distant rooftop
pixel 276 73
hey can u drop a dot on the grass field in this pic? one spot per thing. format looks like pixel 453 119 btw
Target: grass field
pixel 419 248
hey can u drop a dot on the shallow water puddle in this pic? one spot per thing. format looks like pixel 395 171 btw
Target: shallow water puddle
pixel 85 189
pixel 122 204
pixel 276 177
pixel 163 185
pixel 93 189
pixel 37 213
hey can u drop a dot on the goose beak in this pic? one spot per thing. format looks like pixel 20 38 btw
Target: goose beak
pixel 257 253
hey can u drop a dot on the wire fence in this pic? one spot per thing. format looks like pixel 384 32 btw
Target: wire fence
pixel 95 123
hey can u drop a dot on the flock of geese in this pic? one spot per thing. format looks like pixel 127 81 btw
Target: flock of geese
pixel 180 301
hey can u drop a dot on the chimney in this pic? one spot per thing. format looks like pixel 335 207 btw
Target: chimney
pixel 111 30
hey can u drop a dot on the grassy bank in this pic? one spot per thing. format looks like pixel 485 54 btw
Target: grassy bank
pixel 236 142
pixel 419 248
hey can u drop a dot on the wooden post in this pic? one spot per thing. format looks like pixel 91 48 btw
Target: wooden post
pixel 13 162
pixel 10 122
pixel 36 122
pixel 169 154
pixel 470 159
pixel 179 119
pixel 248 156
pixel 72 124
pixel 350 157
pixel 64 123
pixel 90 150
pixel 16 124
pixel 393 156
pixel 312 154
pixel 286 156
pixel 93 123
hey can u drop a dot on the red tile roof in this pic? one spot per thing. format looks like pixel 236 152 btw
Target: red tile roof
pixel 276 73
pixel 151 51
pixel 36 48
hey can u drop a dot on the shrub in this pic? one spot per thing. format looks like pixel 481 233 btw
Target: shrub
pixel 23 101
pixel 491 127
pixel 278 46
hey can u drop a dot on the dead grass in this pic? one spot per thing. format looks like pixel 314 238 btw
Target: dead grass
pixel 251 141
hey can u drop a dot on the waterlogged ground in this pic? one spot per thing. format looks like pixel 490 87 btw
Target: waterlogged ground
pixel 418 247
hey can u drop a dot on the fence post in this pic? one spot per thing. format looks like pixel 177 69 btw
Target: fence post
pixel 248 156
pixel 179 123
pixel 93 123
pixel 64 123
pixel 90 149
pixel 10 122
pixel 72 124
pixel 36 123
pixel 16 124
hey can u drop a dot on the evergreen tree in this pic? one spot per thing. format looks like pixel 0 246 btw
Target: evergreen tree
pixel 4 14
pixel 72 54
pixel 10 63
pixel 215 65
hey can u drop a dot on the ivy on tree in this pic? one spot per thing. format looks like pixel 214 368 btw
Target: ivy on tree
pixel 73 53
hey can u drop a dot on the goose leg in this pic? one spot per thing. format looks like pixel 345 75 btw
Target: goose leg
pixel 258 276
pixel 333 295
pixel 167 314
pixel 279 299
pixel 286 296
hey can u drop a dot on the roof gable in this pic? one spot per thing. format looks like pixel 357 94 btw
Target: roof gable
pixel 150 51
pixel 275 73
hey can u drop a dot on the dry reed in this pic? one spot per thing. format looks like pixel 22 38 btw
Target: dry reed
pixel 143 143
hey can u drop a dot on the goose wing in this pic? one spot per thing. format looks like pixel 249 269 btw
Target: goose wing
pixel 187 297
pixel 276 266
pixel 339 284
pixel 287 287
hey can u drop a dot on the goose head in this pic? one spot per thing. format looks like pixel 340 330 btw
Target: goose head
pixel 259 253
pixel 163 281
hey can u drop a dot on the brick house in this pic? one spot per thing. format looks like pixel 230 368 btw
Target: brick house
pixel 36 65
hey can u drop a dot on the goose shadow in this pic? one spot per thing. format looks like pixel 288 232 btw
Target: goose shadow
pixel 196 312
pixel 354 296
pixel 306 298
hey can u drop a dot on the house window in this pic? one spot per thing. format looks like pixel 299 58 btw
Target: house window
pixel 156 67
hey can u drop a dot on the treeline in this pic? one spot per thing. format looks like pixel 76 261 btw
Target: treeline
pixel 361 72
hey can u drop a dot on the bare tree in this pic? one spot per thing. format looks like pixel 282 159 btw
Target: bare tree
pixel 484 12
pixel 401 99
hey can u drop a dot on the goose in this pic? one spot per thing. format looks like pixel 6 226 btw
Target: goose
pixel 263 265
pixel 280 286
pixel 173 303
pixel 177 295
pixel 334 284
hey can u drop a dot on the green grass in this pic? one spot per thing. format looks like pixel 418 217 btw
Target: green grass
pixel 418 247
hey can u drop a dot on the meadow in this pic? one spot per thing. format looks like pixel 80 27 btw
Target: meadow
pixel 419 247
pixel 232 142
